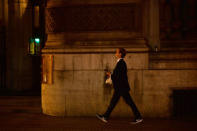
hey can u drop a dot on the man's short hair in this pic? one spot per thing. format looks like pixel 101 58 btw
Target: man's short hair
pixel 123 52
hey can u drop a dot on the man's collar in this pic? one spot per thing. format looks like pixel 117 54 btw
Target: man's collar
pixel 119 59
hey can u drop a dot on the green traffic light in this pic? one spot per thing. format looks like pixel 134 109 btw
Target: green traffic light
pixel 37 40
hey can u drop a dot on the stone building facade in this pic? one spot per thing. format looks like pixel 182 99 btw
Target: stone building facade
pixel 81 38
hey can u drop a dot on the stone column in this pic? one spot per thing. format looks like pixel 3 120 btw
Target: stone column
pixel 3 12
pixel 151 23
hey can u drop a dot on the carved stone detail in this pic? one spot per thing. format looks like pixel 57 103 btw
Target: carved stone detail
pixel 123 17
pixel 178 19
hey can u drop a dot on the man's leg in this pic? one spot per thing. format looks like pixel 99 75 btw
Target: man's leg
pixel 130 102
pixel 114 101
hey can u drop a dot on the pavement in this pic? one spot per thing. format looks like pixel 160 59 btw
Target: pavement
pixel 23 113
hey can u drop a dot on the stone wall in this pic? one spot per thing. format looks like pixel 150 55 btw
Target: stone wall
pixel 78 87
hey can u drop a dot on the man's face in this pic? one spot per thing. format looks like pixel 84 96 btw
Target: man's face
pixel 118 54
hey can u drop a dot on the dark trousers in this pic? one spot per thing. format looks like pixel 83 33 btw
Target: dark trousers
pixel 127 98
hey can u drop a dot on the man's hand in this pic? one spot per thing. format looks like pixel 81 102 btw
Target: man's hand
pixel 108 74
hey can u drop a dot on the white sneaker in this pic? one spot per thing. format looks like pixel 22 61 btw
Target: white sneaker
pixel 137 121
pixel 102 118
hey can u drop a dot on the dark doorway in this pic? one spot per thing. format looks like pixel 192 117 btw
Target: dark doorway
pixel 36 75
pixel 2 57
pixel 184 103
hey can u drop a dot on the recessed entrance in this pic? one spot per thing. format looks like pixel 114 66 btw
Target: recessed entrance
pixel 184 103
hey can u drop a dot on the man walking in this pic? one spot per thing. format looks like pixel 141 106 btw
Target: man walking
pixel 121 88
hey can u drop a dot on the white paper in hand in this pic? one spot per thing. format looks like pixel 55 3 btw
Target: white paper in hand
pixel 109 81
